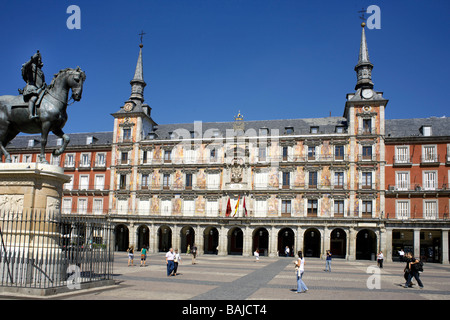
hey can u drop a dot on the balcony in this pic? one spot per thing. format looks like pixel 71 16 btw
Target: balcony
pixel 367 157
pixel 84 165
pixel 367 131
pixel 430 160
pixel 402 161
pixel 417 188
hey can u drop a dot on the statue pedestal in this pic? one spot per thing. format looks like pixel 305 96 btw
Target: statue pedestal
pixel 31 186
pixel 30 202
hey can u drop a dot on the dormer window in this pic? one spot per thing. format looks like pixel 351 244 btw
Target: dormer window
pixel 426 131
pixel 264 131
pixel 339 129
pixel 289 130
pixel 314 129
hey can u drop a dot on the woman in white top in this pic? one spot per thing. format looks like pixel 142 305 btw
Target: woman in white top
pixel 256 254
pixel 300 264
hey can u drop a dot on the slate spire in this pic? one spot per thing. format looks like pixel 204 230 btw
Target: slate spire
pixel 138 83
pixel 364 67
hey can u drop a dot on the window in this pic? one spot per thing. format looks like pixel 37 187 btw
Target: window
pixel 85 160
pixel 26 158
pixel 144 181
pixel 366 180
pixel 338 152
pixel 311 153
pixel 144 156
pixel 312 208
pixel 188 180
pixel 100 160
pixel 124 158
pixel 122 181
pixel 339 180
pixel 429 154
pixel 82 206
pixel 167 155
pixel 402 209
pixel 339 129
pixel 285 153
pixel 402 181
pixel 286 180
pixel 286 208
pixel 69 161
pixel 69 185
pixel 430 209
pixel 15 158
pixel 338 208
pixel 312 179
pixel 67 205
pixel 264 131
pixel 213 155
pixel 262 153
pixel 55 160
pixel 314 129
pixel 429 180
pixel 126 135
pixel 99 182
pixel 289 130
pixel 97 206
pixel 166 180
pixel 402 154
pixel 426 131
pixel 367 152
pixel 367 126
pixel 84 182
pixel 367 209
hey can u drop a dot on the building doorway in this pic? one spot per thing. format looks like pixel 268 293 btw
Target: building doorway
pixel 286 238
pixel 211 240
pixel 121 234
pixel 366 245
pixel 261 241
pixel 235 241
pixel 143 237
pixel 311 243
pixel 338 243
pixel 164 238
pixel 187 235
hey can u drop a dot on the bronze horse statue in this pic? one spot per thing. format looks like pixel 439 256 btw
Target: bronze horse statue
pixel 15 115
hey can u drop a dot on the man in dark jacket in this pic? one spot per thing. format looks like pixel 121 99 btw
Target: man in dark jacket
pixel 412 270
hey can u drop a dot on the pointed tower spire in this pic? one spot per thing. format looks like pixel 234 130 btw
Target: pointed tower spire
pixel 364 67
pixel 138 83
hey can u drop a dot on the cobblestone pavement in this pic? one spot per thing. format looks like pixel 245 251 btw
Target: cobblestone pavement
pixel 242 278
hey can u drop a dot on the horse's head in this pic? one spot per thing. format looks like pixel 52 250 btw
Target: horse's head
pixel 69 79
pixel 75 81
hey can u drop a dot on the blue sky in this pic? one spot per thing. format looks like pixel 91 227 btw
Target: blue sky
pixel 204 60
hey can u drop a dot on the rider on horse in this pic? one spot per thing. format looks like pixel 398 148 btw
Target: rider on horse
pixel 34 77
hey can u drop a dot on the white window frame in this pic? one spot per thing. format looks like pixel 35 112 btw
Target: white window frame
pixel 430 209
pixel 404 155
pixel 402 183
pixel 82 205
pixel 97 206
pixel 427 183
pixel 402 209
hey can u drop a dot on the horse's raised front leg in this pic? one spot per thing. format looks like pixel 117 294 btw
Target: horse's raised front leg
pixel 66 141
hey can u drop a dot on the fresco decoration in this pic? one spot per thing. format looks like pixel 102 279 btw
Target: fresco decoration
pixel 325 179
pixel 176 206
pixel 200 205
pixel 272 205
pixel 298 206
pixel 156 179
pixel 201 179
pixel 274 181
pixel 299 177
pixel 154 207
pixel 325 206
pixel 178 180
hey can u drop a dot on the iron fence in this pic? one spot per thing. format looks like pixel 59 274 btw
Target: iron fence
pixel 49 250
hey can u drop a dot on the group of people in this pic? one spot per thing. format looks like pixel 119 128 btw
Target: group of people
pixel 174 258
pixel 130 252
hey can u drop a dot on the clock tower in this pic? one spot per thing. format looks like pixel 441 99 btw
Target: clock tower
pixel 132 124
pixel 365 115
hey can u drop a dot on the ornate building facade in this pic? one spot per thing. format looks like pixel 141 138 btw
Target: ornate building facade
pixel 234 187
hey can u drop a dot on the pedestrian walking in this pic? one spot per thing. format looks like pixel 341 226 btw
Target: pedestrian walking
pixel 256 254
pixel 170 256
pixel 286 251
pixel 176 261
pixel 380 258
pixel 401 253
pixel 414 267
pixel 130 251
pixel 300 269
pixel 143 256
pixel 188 249
pixel 194 253
pixel 328 261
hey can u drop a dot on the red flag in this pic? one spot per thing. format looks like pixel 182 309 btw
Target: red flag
pixel 228 212
pixel 245 208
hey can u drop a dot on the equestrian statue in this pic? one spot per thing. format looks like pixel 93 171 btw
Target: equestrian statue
pixel 39 108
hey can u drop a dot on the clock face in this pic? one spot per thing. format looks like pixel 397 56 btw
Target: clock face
pixel 367 93
pixel 128 106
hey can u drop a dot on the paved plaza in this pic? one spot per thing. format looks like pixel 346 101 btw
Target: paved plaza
pixel 241 278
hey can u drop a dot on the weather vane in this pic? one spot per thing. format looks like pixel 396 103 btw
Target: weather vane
pixel 142 35
pixel 362 17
